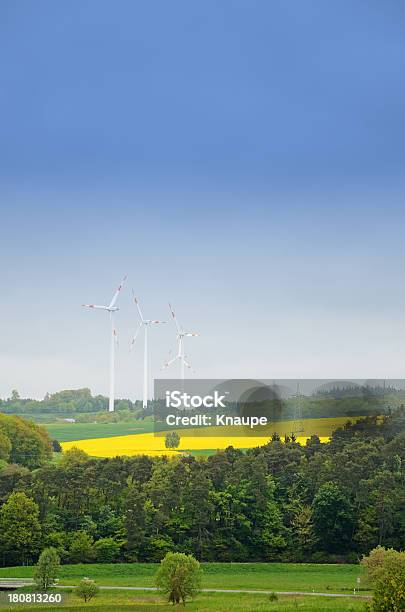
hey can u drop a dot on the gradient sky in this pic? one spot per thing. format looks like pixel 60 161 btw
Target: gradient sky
pixel 244 160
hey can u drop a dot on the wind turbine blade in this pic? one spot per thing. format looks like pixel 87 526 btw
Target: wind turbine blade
pixel 169 363
pixel 158 322
pixel 116 294
pixel 138 329
pixel 175 320
pixel 95 306
pixel 187 364
pixel 191 334
pixel 138 307
pixel 116 337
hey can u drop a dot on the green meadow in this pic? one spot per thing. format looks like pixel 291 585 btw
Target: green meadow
pixel 67 432
pixel 205 602
pixel 306 577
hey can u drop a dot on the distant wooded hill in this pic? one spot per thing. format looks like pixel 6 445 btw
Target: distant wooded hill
pixel 329 402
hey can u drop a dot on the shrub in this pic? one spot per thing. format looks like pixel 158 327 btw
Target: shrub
pixel 47 569
pixel 179 577
pixel 382 561
pixel 87 589
pixel 389 594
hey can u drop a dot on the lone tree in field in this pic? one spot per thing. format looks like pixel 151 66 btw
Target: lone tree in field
pixel 179 577
pixel 172 439
pixel 87 589
pixel 47 569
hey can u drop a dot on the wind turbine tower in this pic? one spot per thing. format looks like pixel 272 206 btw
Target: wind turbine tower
pixel 144 323
pixel 298 425
pixel 111 309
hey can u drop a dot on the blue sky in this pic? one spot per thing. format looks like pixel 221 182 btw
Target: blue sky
pixel 244 160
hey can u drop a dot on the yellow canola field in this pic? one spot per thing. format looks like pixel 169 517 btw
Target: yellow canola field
pixel 198 439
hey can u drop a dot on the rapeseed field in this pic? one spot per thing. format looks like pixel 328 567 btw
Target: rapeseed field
pixel 208 438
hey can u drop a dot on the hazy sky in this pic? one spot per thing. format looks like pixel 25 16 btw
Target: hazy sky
pixel 244 160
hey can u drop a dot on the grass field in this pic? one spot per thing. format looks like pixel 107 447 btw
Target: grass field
pixel 197 439
pixel 204 602
pixel 306 577
pixel 66 432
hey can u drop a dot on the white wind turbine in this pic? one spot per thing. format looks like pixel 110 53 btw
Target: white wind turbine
pixel 181 334
pixel 111 309
pixel 145 324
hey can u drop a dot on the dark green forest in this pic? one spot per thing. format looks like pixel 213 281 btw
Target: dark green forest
pixel 320 502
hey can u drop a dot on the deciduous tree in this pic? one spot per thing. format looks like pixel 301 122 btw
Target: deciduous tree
pixel 20 530
pixel 179 577
pixel 47 569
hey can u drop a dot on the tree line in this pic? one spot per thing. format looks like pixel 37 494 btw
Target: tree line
pixel 278 502
pixel 68 402
pixel 83 406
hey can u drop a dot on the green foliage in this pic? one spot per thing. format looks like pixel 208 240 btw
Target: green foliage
pixel 68 402
pixel 81 549
pixel 47 569
pixel 272 521
pixel 30 443
pixel 72 457
pixel 303 529
pixel 273 597
pixel 87 589
pixel 381 562
pixel 332 403
pixel 389 594
pixel 5 446
pixel 172 439
pixel 326 502
pixel 13 478
pixel 107 550
pixel 179 577
pixel 20 529
pixel 135 522
pixel 55 539
pixel 332 516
